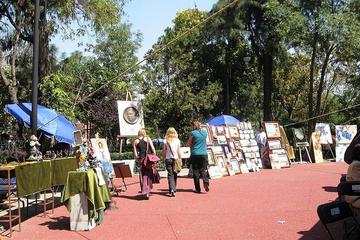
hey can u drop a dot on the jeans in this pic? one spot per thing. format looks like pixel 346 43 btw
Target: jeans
pixel 199 165
pixel 172 176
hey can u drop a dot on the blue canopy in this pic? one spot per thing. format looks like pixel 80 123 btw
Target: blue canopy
pixel 223 120
pixel 49 121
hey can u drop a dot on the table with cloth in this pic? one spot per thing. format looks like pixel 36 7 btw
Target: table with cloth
pixel 84 199
pixel 33 177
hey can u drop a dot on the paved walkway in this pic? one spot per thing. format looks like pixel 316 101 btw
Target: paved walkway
pixel 271 204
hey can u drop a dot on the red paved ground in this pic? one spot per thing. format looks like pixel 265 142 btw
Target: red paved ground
pixel 245 206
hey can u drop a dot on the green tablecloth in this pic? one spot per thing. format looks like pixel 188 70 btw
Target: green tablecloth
pixel 86 182
pixel 60 169
pixel 32 177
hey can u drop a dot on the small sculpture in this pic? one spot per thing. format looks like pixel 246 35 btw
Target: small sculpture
pixel 35 154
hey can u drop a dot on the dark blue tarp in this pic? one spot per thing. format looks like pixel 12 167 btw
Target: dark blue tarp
pixel 223 120
pixel 49 121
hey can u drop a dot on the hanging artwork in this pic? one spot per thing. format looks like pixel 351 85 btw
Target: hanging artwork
pixel 130 118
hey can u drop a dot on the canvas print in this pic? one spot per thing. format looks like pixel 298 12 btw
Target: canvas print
pixel 221 140
pixel 325 133
pixel 340 151
pixel 274 144
pixel 299 136
pixel 272 129
pixel 101 151
pixel 234 132
pixel 220 130
pixel 220 160
pixel 211 159
pixel 235 165
pixel 130 118
pixel 215 172
pixel 77 138
pixel 209 138
pixel 345 133
pixel 317 149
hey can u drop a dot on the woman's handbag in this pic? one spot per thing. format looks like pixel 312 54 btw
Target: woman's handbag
pixel 177 162
pixel 177 165
pixel 150 158
pixel 155 176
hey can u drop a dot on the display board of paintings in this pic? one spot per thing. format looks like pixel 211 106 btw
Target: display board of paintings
pixel 344 136
pixel 277 152
pixel 249 146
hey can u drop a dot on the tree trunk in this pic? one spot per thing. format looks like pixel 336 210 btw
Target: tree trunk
pixel 268 86
pixel 322 80
pixel 311 123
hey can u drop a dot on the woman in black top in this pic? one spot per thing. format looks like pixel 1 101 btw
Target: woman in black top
pixel 140 148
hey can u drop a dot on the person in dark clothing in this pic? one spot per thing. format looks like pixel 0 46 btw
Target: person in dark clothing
pixel 141 146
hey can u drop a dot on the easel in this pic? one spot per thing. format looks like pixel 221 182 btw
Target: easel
pixel 306 148
pixel 331 151
pixel 122 171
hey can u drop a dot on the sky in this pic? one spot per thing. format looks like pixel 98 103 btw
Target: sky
pixel 150 17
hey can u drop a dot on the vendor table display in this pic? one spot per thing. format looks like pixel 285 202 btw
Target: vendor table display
pixel 79 182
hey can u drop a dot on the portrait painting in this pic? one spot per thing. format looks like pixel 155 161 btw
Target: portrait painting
pixel 130 117
pixel 272 129
pixel 102 154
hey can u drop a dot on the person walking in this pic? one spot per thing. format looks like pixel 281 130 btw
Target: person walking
pixel 141 146
pixel 171 152
pixel 198 156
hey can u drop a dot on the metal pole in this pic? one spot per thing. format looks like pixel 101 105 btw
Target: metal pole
pixel 35 69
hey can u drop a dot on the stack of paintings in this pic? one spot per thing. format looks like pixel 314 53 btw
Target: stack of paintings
pixel 277 153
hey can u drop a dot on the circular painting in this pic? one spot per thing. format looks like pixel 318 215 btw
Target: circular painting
pixel 131 115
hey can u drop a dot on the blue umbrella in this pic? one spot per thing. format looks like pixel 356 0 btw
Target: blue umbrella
pixel 223 120
pixel 49 121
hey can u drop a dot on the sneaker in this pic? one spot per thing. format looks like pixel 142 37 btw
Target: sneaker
pixel 173 194
pixel 206 186
pixel 147 196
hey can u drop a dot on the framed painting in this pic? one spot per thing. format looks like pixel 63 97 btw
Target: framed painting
pixel 220 130
pixel 237 145
pixel 299 137
pixel 235 165
pixel 221 163
pixel 77 138
pixel 217 150
pixel 230 169
pixel 325 133
pixel 209 138
pixel 215 172
pixel 221 140
pixel 272 129
pixel 274 144
pixel 211 159
pixel 234 132
pixel 213 132
pixel 227 132
pixel 345 133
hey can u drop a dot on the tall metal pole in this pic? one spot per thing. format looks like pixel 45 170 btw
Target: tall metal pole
pixel 35 70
